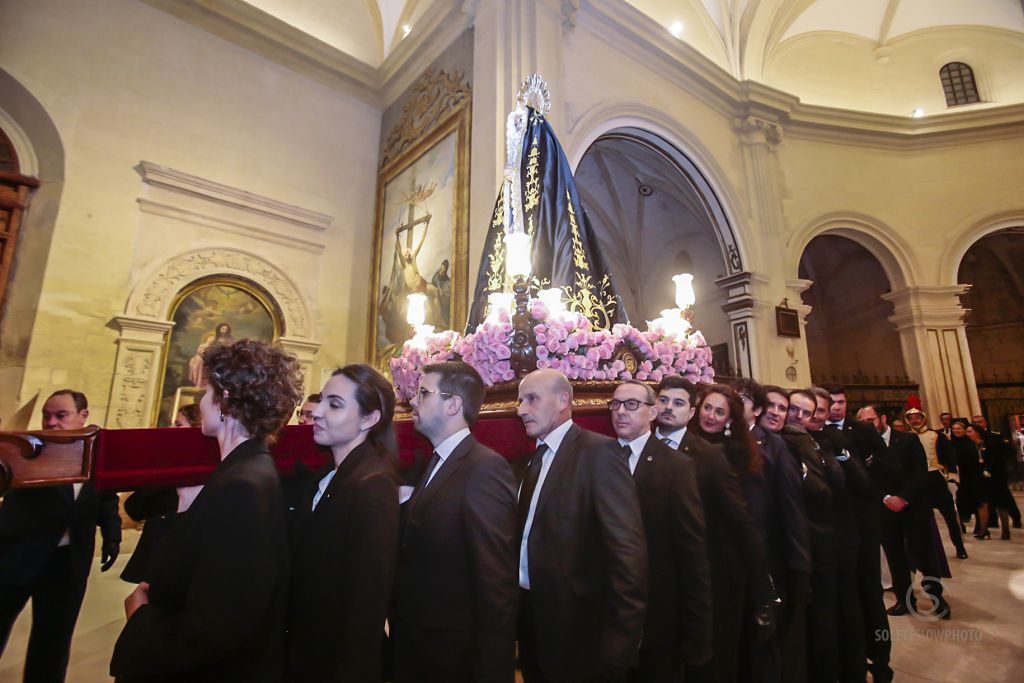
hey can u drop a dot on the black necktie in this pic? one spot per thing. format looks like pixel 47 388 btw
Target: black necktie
pixel 434 459
pixel 530 482
pixel 627 451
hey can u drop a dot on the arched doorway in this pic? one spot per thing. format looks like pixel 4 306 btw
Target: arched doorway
pixel 655 215
pixel 850 339
pixel 995 322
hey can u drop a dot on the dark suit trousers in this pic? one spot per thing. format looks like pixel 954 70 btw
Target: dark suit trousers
pixel 822 637
pixel 432 656
pixel 56 594
pixel 908 531
pixel 793 642
pixel 942 500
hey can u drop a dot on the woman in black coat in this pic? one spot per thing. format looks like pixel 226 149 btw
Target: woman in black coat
pixel 345 536
pixel 996 457
pixel 968 460
pixel 214 606
pixel 719 419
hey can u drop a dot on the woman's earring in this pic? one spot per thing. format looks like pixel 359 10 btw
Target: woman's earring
pixel 728 432
pixel 222 416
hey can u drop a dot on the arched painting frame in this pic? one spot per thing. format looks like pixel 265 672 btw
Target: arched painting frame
pixel 219 307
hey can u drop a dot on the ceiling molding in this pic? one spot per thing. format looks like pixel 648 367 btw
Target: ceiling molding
pixel 634 32
pixel 248 27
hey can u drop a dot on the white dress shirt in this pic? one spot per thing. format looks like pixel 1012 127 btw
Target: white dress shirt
pixel 636 446
pixel 674 438
pixel 444 449
pixel 552 441
pixel 66 538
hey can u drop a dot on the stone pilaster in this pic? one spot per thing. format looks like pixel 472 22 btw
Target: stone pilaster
pixel 137 366
pixel 930 322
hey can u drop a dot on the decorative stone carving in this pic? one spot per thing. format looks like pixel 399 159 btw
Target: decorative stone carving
pixel 436 94
pixel 153 296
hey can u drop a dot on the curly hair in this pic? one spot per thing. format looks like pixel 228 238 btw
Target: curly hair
pixel 256 383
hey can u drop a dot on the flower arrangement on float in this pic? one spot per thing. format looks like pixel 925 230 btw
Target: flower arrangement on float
pixel 563 340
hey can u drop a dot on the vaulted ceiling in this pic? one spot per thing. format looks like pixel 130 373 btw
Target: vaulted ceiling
pixel 878 56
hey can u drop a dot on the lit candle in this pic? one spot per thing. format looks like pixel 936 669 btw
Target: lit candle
pixel 517 254
pixel 685 296
pixel 552 299
pixel 496 303
pixel 416 312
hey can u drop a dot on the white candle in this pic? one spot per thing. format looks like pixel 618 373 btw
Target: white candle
pixel 517 254
pixel 416 312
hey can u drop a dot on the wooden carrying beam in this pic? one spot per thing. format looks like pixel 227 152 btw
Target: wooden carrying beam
pixel 46 458
pixel 130 459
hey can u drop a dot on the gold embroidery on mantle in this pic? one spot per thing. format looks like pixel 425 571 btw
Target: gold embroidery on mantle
pixel 596 303
pixel 436 94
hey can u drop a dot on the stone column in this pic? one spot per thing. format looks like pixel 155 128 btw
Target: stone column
pixel 134 391
pixel 930 322
pixel 305 351
pixel 758 139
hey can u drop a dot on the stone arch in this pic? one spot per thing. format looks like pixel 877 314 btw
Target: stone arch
pixel 146 323
pixel 891 250
pixel 969 235
pixel 678 143
pixel 41 155
pixel 651 139
pixel 153 296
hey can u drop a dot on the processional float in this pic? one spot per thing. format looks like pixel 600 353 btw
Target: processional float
pixel 544 298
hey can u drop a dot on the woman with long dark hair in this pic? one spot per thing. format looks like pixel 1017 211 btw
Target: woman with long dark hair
pixel 345 536
pixel 215 604
pixel 995 488
pixel 737 586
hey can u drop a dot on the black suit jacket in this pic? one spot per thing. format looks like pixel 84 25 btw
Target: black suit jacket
pixel 787 545
pixel 32 522
pixel 735 547
pixel 343 567
pixel 218 585
pixel 587 561
pixel 458 589
pixel 909 473
pixel 679 582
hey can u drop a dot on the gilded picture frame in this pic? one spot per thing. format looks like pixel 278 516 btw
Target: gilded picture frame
pixel 421 236
pixel 217 309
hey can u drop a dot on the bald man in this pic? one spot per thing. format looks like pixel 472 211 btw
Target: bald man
pixel 582 551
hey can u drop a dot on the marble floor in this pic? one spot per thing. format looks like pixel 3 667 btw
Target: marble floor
pixel 982 643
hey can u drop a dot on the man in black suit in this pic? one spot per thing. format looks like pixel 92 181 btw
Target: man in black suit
pixel 47 538
pixel 1014 509
pixel 784 522
pixel 905 515
pixel 947 424
pixel 735 548
pixel 863 443
pixel 455 603
pixel 941 459
pixel 582 553
pixel 678 627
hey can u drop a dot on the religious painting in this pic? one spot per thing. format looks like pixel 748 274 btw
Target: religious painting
pixel 420 238
pixel 209 311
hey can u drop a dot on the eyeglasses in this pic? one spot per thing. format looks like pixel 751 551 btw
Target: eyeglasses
pixel 423 391
pixel 630 404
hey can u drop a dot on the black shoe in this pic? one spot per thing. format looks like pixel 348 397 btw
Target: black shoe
pixel 984 536
pixel 898 610
pixel 942 609
pixel 961 554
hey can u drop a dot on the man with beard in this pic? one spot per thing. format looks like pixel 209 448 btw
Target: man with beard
pixel 677 631
pixel 866 447
pixel 734 545
pixel 850 486
pixel 821 643
pixel 905 514
pixel 784 522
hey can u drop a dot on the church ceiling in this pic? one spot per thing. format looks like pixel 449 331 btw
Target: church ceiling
pixel 879 56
